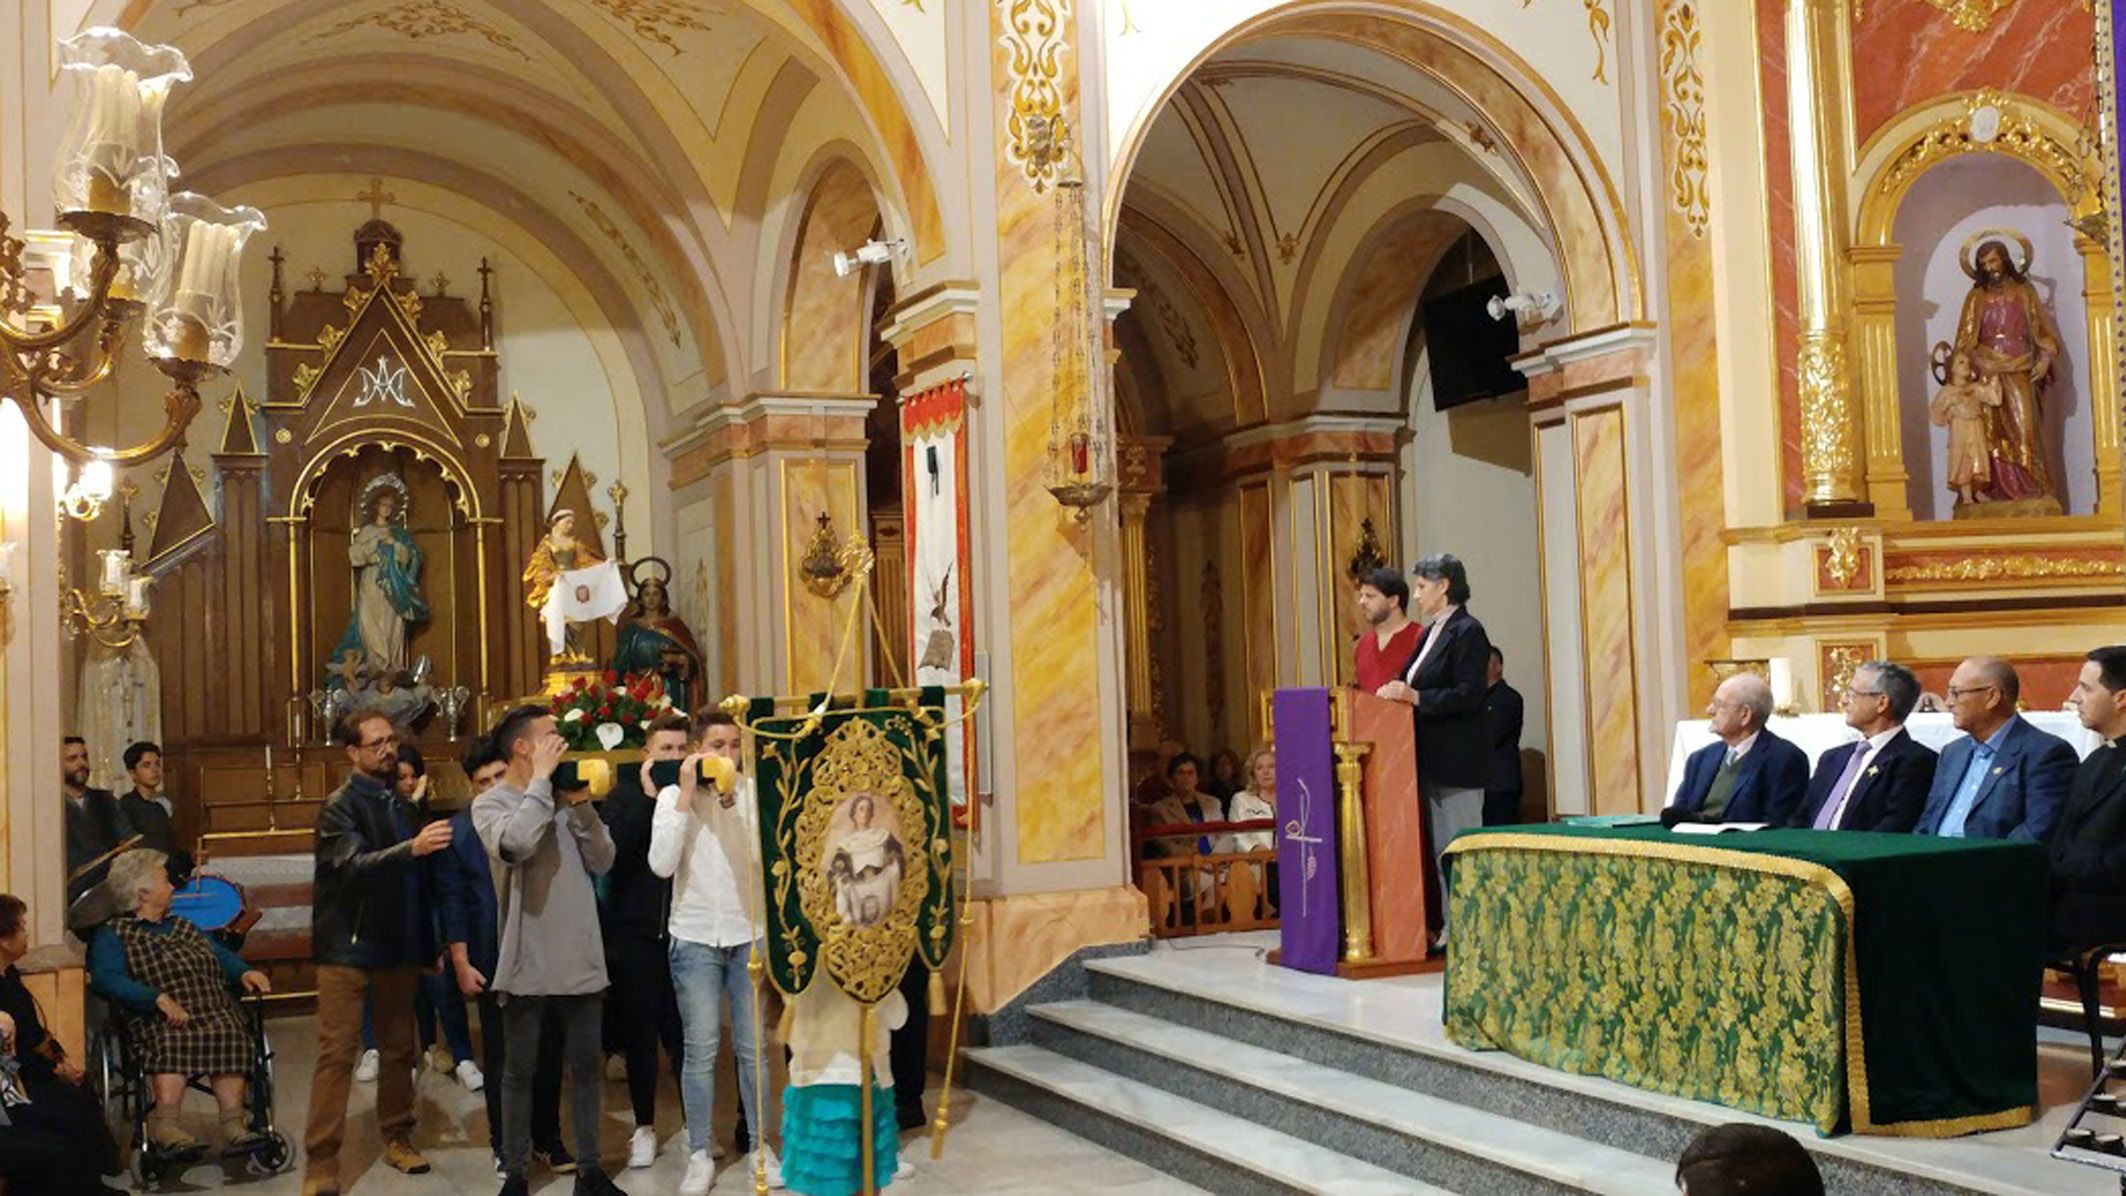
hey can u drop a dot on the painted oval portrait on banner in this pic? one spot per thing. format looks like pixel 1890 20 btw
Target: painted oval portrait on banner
pixel 863 865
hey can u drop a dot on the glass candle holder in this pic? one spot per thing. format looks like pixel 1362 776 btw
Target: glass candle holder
pixel 198 316
pixel 112 173
pixel 143 264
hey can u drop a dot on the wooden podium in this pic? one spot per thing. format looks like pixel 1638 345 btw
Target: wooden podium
pixel 1358 907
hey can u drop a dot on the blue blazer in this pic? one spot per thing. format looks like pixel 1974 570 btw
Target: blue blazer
pixel 1768 786
pixel 2021 796
pixel 467 890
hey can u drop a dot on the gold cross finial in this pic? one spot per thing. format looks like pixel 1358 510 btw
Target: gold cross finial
pixel 316 277
pixel 376 197
pixel 440 281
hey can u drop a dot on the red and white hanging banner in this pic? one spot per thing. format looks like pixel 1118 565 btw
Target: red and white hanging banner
pixel 940 593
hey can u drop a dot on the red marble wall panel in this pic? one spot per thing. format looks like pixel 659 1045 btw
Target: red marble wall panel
pixel 2046 680
pixel 2037 47
pixel 1779 213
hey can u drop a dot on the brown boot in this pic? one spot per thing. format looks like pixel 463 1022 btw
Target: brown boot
pixel 403 1157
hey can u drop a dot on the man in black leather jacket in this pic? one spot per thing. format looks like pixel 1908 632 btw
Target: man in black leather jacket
pixel 370 931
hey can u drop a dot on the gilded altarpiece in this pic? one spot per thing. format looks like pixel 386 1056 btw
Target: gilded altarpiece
pixel 382 420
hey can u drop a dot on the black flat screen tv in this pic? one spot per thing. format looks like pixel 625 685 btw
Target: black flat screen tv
pixel 1469 349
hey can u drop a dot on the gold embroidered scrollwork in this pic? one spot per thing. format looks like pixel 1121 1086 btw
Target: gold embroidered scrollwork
pixel 858 760
pixel 2014 134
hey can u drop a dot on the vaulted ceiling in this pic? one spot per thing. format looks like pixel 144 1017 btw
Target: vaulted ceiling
pixel 638 139
pixel 1256 201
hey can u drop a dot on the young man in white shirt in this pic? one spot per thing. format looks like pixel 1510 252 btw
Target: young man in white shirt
pixel 704 841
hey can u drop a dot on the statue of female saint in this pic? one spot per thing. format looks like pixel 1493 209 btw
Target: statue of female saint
pixel 558 552
pixel 653 639
pixel 2012 344
pixel 387 579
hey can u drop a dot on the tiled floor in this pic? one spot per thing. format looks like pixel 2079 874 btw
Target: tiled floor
pixel 992 1149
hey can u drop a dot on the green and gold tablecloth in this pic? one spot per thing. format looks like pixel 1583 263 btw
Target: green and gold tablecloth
pixel 1882 983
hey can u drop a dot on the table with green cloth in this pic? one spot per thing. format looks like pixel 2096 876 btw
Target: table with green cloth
pixel 1886 984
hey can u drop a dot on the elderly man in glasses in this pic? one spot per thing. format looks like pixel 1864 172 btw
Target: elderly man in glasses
pixel 370 932
pixel 2004 779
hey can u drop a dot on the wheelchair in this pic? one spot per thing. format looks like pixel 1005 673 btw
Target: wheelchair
pixel 128 1094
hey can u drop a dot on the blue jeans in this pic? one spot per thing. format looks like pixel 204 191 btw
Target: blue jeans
pixel 703 976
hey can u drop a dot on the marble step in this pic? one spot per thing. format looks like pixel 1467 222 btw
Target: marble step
pixel 1389 1031
pixel 1217 1151
pixel 1452 1144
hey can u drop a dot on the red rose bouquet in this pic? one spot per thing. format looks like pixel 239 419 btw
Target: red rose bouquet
pixel 609 713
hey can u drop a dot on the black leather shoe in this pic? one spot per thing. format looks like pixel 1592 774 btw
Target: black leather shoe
pixel 556 1157
pixel 516 1185
pixel 593 1182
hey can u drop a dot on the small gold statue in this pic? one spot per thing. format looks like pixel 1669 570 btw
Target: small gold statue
pixel 558 552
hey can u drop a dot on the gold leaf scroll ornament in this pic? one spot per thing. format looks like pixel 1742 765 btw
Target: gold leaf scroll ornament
pixel 1038 132
pixel 866 962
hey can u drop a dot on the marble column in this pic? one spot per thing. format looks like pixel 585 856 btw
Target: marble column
pixel 1141 485
pixel 1818 106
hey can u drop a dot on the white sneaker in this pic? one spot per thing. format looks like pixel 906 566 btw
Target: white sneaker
pixel 774 1168
pixel 701 1172
pixel 365 1070
pixel 642 1148
pixel 905 1168
pixel 469 1075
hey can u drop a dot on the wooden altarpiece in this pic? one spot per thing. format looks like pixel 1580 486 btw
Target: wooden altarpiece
pixel 374 379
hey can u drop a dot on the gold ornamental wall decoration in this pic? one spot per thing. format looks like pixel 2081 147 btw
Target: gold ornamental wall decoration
pixel 1991 122
pixel 2022 567
pixel 1826 431
pixel 1683 94
pixel 1841 561
pixel 418 19
pixel 653 20
pixel 1038 138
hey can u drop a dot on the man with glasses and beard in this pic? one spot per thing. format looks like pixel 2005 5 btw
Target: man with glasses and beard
pixel 95 825
pixel 370 934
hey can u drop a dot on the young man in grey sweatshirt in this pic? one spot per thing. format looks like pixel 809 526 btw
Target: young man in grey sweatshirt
pixel 550 846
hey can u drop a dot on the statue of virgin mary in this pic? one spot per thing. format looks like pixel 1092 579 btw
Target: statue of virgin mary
pixel 387 580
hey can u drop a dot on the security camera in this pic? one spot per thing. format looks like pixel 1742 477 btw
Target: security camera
pixel 1542 305
pixel 870 253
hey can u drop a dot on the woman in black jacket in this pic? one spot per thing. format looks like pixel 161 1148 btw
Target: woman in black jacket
pixel 57 1141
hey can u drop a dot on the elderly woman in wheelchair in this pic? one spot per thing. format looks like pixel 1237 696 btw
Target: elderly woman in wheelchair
pixel 176 986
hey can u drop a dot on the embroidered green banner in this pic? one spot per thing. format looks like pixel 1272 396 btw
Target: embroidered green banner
pixel 856 841
pixel 1886 983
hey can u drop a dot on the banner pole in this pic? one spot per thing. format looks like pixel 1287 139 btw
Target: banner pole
pixel 863 1074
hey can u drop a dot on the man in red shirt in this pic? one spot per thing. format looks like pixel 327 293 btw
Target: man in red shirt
pixel 1385 648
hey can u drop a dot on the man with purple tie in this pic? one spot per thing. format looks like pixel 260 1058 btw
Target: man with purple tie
pixel 1881 782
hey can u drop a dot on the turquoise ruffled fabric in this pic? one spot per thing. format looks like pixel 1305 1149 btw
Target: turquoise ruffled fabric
pixel 822 1154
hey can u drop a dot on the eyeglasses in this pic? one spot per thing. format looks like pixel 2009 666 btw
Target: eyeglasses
pixel 1959 694
pixel 390 741
pixel 1851 692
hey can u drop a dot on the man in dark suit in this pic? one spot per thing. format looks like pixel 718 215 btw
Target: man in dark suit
pixel 95 826
pixel 1502 711
pixel 1881 782
pixel 1751 775
pixel 1444 686
pixel 2004 779
pixel 2088 847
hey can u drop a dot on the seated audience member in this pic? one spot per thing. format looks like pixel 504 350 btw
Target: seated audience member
pixel 2088 847
pixel 58 1141
pixel 1225 775
pixel 1503 715
pixel 2003 778
pixel 1739 1159
pixel 176 981
pixel 1258 800
pixel 1751 775
pixel 1881 782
